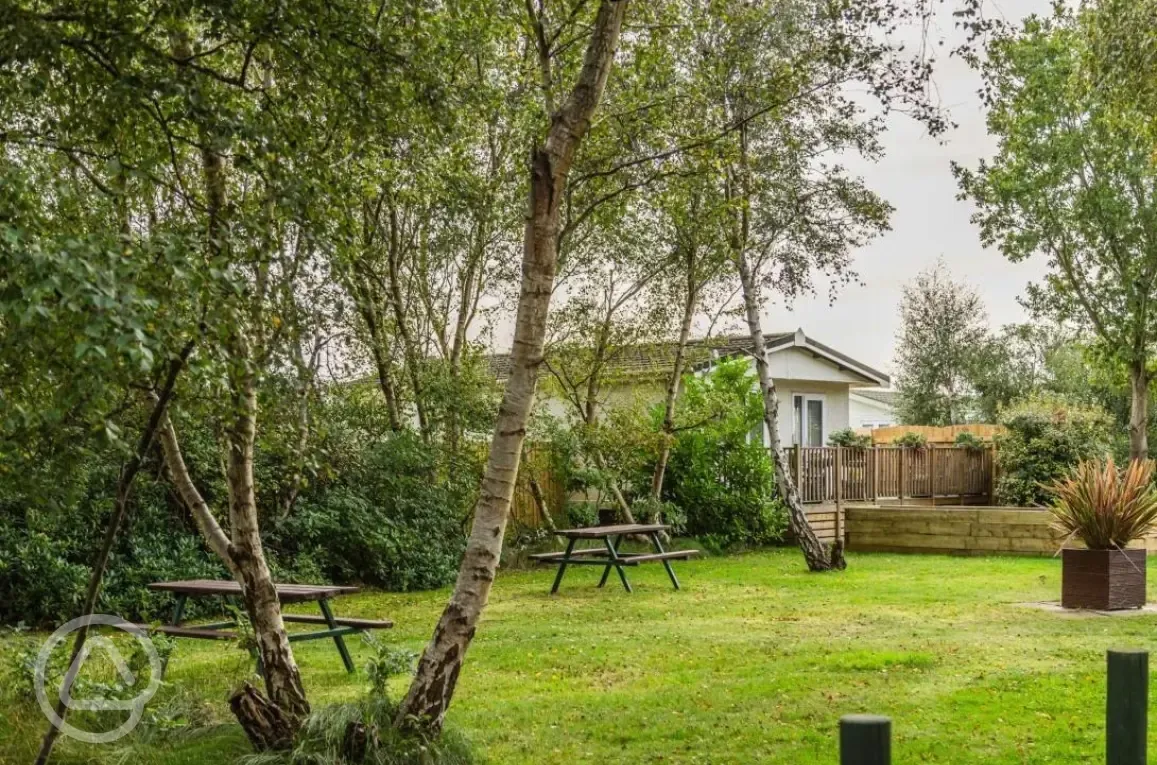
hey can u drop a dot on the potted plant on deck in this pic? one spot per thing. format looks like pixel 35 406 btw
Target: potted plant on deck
pixel 1106 508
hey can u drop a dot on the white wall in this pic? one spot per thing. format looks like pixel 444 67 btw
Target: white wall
pixel 797 364
pixel 864 412
pixel 794 371
pixel 835 396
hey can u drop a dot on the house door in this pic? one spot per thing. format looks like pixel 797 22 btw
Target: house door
pixel 808 421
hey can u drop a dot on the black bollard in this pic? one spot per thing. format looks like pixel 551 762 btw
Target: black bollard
pixel 865 740
pixel 1127 708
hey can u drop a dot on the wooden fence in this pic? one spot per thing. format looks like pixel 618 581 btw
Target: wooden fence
pixel 835 474
pixel 524 509
pixel 934 434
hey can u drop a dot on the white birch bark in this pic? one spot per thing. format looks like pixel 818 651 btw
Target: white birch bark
pixel 433 686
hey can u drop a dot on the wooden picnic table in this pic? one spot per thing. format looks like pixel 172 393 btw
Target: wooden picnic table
pixel 608 554
pixel 336 626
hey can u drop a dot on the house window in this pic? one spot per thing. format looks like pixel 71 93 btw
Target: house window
pixel 807 425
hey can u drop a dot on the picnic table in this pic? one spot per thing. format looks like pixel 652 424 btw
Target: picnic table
pixel 336 627
pixel 608 555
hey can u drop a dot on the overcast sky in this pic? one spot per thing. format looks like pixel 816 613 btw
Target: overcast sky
pixel 928 223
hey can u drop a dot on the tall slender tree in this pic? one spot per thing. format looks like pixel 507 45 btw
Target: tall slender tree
pixel 433 686
pixel 1073 180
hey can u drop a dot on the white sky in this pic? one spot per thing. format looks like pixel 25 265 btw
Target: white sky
pixel 928 223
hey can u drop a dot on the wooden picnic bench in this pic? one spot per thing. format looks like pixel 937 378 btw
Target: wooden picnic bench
pixel 336 626
pixel 608 554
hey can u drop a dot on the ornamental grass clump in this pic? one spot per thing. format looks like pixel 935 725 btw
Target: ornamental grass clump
pixel 1104 506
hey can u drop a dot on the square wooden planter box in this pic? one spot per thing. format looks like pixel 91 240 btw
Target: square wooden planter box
pixel 1102 580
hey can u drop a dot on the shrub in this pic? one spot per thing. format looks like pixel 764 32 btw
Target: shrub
pixel 376 508
pixel 718 475
pixel 1044 439
pixel 911 440
pixel 1105 507
pixel 850 438
pixel 390 520
pixel 969 440
pixel 582 514
pixel 362 733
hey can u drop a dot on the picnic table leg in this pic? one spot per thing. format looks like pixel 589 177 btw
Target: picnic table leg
pixel 562 565
pixel 174 621
pixel 607 570
pixel 337 639
pixel 614 553
pixel 666 563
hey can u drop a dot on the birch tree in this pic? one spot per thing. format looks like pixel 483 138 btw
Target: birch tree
pixel 439 668
pixel 778 79
pixel 692 217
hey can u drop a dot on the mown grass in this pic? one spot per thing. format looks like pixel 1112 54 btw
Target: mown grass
pixel 754 661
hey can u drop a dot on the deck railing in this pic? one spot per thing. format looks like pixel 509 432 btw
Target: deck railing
pixel 845 474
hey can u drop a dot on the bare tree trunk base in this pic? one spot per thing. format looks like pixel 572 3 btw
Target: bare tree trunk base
pixel 263 722
pixel 838 563
pixel 359 740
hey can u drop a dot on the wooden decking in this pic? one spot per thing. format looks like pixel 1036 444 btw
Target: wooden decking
pixel 958 531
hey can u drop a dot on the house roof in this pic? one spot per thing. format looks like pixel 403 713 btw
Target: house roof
pixel 656 358
pixel 886 397
pixel 648 359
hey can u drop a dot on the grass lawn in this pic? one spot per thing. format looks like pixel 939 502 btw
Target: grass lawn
pixel 754 661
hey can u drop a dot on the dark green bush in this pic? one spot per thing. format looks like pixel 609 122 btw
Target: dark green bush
pixel 718 475
pixel 376 508
pixel 389 520
pixel 968 440
pixel 1045 438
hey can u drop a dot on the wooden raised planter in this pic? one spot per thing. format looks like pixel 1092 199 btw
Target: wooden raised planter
pixel 1102 580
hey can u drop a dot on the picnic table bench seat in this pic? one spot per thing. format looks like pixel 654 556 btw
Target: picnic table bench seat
pixel 345 621
pixel 554 556
pixel 626 559
pixel 608 556
pixel 189 632
pixel 335 626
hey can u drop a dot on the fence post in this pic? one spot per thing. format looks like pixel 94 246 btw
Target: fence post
pixel 1127 708
pixel 839 529
pixel 865 740
pixel 903 454
pixel 875 475
pixel 798 456
pixel 932 472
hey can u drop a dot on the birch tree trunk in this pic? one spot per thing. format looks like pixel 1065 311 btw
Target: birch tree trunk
pixel 673 384
pixel 409 350
pixel 817 554
pixel 433 686
pixel 1139 410
pixel 282 678
pixel 242 553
